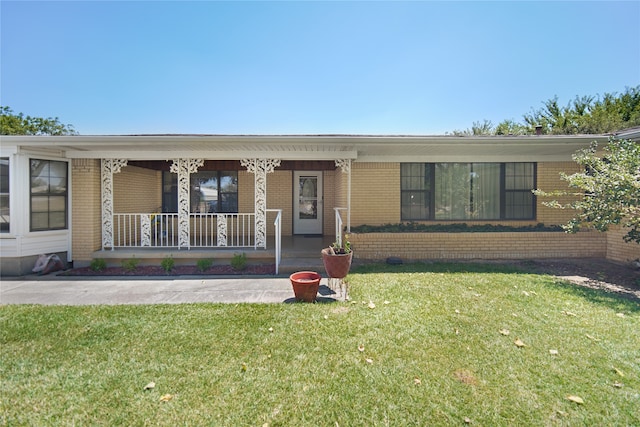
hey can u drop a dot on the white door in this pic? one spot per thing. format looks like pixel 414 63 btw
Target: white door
pixel 307 202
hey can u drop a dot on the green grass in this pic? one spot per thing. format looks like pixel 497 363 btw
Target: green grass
pixel 437 357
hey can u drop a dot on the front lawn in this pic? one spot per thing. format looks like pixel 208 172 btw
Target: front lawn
pixel 422 344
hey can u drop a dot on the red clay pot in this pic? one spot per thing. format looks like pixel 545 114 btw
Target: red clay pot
pixel 305 285
pixel 338 265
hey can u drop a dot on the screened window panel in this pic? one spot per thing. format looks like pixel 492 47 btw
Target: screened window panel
pixel 58 170
pixel 57 220
pixel 4 175
pixel 415 196
pixel 4 195
pixel 453 190
pixel 415 205
pixel 519 205
pixel 519 176
pixel 485 191
pixel 49 183
pixel 40 204
pixel 39 220
pixel 57 203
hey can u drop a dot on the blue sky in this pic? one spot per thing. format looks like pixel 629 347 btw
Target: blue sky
pixel 428 67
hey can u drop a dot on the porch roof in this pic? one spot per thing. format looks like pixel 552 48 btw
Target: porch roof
pixel 369 148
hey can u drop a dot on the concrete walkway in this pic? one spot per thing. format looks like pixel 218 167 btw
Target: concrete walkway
pixel 54 290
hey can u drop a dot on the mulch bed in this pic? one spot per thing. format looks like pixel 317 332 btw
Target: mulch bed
pixel 178 270
pixel 620 278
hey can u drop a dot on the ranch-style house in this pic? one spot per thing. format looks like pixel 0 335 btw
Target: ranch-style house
pixel 198 196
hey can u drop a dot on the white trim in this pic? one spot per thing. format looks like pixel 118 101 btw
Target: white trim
pixel 368 148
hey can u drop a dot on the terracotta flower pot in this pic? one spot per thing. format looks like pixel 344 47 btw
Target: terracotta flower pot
pixel 305 285
pixel 336 265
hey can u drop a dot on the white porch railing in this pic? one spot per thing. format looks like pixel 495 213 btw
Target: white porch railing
pixel 232 230
pixel 339 225
pixel 221 230
pixel 278 235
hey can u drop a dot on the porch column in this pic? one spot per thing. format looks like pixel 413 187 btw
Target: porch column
pixel 345 167
pixel 108 167
pixel 184 168
pixel 260 168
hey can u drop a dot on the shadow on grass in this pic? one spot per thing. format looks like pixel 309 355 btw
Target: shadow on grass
pixel 620 298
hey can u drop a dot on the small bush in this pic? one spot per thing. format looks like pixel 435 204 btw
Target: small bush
pixel 239 261
pixel 167 264
pixel 204 264
pixel 130 264
pixel 98 265
pixel 416 227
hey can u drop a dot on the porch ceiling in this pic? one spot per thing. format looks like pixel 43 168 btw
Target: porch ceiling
pixel 312 147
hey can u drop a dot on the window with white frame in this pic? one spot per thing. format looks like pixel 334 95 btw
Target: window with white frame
pixel 48 195
pixel 467 191
pixel 4 195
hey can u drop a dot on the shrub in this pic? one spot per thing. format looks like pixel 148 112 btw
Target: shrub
pixel 239 261
pixel 98 264
pixel 130 264
pixel 409 227
pixel 167 264
pixel 204 264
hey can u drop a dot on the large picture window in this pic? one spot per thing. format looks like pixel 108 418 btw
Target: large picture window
pixel 48 195
pixel 467 191
pixel 4 195
pixel 211 192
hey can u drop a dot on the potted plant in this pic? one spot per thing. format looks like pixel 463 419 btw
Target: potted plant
pixel 305 285
pixel 337 259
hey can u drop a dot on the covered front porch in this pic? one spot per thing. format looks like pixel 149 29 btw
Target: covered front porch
pixel 131 227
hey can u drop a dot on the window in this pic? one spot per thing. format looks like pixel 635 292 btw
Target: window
pixel 467 191
pixel 416 190
pixel 519 181
pixel 48 195
pixel 211 192
pixel 4 195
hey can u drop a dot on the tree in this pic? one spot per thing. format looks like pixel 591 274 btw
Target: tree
pixel 19 124
pixel 478 128
pixel 582 115
pixel 510 127
pixel 608 190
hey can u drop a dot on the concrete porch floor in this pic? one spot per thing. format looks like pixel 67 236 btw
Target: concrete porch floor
pixel 298 253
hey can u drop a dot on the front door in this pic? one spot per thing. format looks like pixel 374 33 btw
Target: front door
pixel 307 202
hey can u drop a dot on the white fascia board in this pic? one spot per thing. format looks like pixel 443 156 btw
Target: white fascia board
pixel 160 154
pixel 468 158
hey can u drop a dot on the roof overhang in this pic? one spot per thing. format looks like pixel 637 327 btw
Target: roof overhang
pixel 311 147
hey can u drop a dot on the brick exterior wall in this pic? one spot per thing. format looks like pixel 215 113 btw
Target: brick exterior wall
pixel 618 250
pixel 279 196
pixel 137 190
pixel 508 245
pixel 86 211
pixel 549 180
pixel 375 193
pixel 375 199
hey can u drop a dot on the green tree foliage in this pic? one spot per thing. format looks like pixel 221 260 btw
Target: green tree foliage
pixel 19 124
pixel 608 191
pixel 582 115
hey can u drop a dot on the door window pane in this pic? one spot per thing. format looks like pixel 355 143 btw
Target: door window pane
pixel 308 202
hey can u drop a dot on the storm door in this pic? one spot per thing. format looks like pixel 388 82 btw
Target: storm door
pixel 307 202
